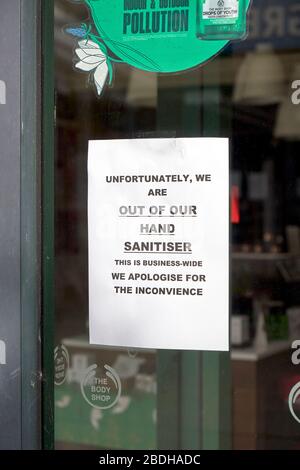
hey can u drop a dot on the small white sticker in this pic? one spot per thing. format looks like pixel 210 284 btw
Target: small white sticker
pixel 220 9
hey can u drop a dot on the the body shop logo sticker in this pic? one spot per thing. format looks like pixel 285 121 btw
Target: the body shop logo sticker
pixel 101 387
pixel 61 364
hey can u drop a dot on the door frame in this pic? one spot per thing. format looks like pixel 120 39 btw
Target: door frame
pixel 194 388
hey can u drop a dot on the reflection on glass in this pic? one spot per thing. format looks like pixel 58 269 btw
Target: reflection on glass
pixel 244 94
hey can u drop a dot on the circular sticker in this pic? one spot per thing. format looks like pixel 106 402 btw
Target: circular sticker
pixel 61 364
pixel 293 397
pixel 101 387
pixel 153 35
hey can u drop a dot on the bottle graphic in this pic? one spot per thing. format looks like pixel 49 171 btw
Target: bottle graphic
pixel 222 19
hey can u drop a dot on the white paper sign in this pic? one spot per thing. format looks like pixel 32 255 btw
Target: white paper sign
pixel 158 243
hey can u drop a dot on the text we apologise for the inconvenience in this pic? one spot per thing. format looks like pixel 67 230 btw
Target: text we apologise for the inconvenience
pixel 136 272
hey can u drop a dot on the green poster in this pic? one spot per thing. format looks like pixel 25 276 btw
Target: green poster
pixel 151 35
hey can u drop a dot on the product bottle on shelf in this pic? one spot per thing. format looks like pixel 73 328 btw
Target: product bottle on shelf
pixel 222 19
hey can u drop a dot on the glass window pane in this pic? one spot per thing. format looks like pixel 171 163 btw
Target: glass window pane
pixel 245 399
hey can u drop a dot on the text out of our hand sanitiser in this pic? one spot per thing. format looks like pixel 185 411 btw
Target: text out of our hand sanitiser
pixel 222 19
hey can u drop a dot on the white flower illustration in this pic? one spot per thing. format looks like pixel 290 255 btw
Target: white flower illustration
pixel 92 58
